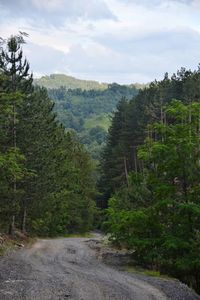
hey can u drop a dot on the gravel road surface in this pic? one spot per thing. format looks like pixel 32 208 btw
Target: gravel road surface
pixel 67 268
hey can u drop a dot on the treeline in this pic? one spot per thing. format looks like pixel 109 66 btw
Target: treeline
pixel 55 81
pixel 46 184
pixel 150 181
pixel 88 111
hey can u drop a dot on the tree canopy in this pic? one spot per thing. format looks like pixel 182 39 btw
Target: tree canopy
pixel 46 184
pixel 151 176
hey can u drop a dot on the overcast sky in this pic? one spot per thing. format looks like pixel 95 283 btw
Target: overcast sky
pixel 120 41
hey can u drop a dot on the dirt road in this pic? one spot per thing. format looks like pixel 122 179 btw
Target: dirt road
pixel 67 269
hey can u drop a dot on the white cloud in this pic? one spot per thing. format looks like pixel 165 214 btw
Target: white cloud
pixel 119 40
pixel 57 11
pixel 49 5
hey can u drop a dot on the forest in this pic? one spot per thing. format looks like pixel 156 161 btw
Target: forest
pixel 86 111
pixel 148 192
pixel 150 176
pixel 46 183
pixel 56 81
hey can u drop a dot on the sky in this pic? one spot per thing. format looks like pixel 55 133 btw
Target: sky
pixel 123 41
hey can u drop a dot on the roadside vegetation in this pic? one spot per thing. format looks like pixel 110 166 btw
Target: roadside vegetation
pixel 150 181
pixel 46 184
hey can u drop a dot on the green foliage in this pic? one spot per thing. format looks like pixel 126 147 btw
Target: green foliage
pixel 102 120
pixel 83 110
pixel 157 211
pixel 46 184
pixel 61 194
pixel 129 127
pixel 56 81
pixel 15 84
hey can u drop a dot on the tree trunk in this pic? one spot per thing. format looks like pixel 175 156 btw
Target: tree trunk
pixel 126 171
pixel 23 227
pixel 12 226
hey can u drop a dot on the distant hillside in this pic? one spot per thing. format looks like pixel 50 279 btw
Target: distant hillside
pixel 55 81
pixel 86 106
pixel 89 112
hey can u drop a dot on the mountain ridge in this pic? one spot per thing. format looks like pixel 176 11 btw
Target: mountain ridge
pixel 86 106
pixel 55 81
pixel 69 82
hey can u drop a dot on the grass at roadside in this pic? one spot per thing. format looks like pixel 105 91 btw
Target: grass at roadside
pixel 68 235
pixel 7 243
pixel 139 270
pixel 79 235
pixel 6 246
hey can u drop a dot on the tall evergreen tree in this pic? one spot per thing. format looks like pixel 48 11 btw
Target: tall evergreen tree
pixel 49 170
pixel 16 82
pixel 114 159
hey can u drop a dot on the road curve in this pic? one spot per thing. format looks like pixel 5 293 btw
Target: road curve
pixel 66 268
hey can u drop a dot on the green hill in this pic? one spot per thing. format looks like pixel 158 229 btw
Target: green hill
pixel 86 106
pixel 89 112
pixel 69 82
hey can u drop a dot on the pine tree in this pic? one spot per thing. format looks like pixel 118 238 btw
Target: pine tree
pixel 17 84
pixel 115 158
